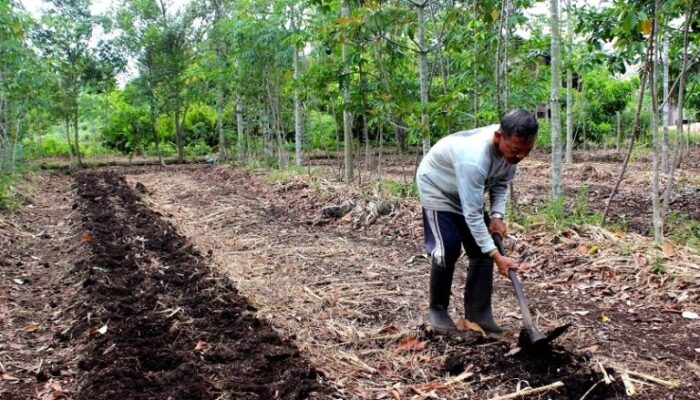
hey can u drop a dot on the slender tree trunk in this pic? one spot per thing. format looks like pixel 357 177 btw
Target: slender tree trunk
pixel 267 135
pixel 679 122
pixel 178 132
pixel 506 83
pixel 70 142
pixel 554 101
pixel 497 61
pixel 14 145
pixel 76 129
pixel 423 73
pixel 633 134
pixel 665 62
pixel 619 131
pixel 656 205
pixel 347 117
pixel 240 128
pixel 298 123
pixel 223 150
pixel 568 157
pixel 365 128
pixel 475 71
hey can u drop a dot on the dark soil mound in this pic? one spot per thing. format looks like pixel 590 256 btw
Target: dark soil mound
pixel 155 321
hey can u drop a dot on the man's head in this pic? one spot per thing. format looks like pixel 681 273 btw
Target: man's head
pixel 515 138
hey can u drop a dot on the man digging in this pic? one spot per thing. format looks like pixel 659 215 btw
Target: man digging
pixel 452 180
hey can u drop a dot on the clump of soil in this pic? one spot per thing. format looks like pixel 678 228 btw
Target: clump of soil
pixel 156 322
pixel 536 369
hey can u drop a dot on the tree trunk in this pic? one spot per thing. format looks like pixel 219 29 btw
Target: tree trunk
pixel 497 61
pixel 635 128
pixel 656 206
pixel 267 135
pixel 223 151
pixel 76 129
pixel 504 70
pixel 554 101
pixel 679 122
pixel 569 158
pixel 423 73
pixel 347 118
pixel 178 132
pixel 619 131
pixel 298 128
pixel 666 65
pixel 240 130
pixel 70 143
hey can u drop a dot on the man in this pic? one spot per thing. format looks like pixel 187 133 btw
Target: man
pixel 452 180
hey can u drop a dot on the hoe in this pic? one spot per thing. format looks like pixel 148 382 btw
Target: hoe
pixel 530 339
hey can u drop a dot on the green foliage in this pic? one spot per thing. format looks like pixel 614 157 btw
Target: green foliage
pixel 684 230
pixel 399 189
pixel 9 199
pixel 321 133
pixel 556 214
pixel 200 123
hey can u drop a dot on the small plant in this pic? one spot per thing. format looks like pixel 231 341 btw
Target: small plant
pixel 555 211
pixel 657 265
pixel 683 229
pixel 400 189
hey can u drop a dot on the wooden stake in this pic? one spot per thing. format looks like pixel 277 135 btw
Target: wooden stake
pixel 527 392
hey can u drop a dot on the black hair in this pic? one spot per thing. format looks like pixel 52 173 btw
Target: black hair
pixel 520 123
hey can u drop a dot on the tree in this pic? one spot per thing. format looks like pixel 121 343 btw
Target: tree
pixel 554 101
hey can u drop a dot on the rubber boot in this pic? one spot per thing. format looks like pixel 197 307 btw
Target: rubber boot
pixel 440 285
pixel 477 295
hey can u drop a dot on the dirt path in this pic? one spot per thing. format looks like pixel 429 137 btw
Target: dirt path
pixel 138 313
pixel 354 299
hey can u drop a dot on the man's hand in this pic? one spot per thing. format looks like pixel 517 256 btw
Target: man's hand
pixel 498 227
pixel 504 264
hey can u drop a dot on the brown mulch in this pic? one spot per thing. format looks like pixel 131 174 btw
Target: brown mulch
pixel 354 295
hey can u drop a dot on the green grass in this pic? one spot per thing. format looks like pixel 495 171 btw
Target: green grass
pixel 9 195
pixel 556 214
pixel 683 230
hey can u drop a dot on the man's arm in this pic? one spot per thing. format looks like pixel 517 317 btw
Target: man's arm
pixel 499 193
pixel 470 184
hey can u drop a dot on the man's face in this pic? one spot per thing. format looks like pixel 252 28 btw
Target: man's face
pixel 514 148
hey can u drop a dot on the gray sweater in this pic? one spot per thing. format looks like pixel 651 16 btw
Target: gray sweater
pixel 456 173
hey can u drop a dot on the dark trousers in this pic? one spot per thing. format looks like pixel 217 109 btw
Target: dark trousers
pixel 445 234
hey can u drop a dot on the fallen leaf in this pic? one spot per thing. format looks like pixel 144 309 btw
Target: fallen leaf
pixel 620 234
pixel 18 281
pixel 411 344
pixel 6 377
pixel 86 238
pixel 594 249
pixel 581 313
pixel 604 318
pixel 201 346
pixel 590 349
pixel 690 315
pixel 639 259
pixel 99 331
pixel 466 325
pixel 668 250
pixel 31 327
pixel 584 249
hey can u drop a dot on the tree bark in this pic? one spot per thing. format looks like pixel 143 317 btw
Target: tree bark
pixel 347 117
pixel 679 123
pixel 633 134
pixel 76 128
pixel 298 128
pixel 423 74
pixel 178 133
pixel 666 66
pixel 568 157
pixel 655 200
pixel 554 101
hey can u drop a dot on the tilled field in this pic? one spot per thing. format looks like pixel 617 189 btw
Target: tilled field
pixel 147 318
pixel 202 282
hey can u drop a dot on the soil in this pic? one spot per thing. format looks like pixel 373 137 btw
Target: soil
pixel 205 282
pixel 150 319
